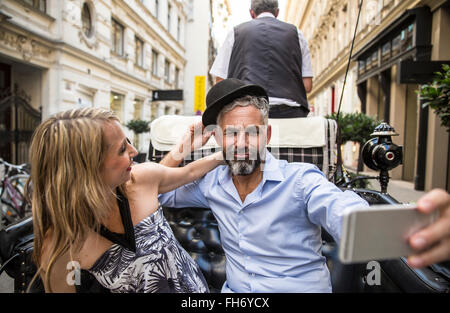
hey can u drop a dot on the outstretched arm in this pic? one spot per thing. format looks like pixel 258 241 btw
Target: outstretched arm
pixel 172 178
pixel 167 175
pixel 169 178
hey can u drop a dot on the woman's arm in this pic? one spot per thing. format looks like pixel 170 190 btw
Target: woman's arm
pixel 167 175
pixel 170 178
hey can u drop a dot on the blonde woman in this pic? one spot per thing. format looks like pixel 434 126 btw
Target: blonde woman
pixel 94 209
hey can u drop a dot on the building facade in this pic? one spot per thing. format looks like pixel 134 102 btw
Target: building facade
pixel 204 18
pixel 398 45
pixel 63 54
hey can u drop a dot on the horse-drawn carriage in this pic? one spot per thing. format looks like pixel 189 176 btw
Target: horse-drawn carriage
pixel 197 231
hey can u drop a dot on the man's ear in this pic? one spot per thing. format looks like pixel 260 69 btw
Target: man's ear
pixel 268 134
pixel 252 14
pixel 277 12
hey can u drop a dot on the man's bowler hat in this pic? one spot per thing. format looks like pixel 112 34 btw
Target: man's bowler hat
pixel 224 93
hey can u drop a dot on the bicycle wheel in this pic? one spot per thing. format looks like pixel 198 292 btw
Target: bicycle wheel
pixel 19 181
pixel 13 197
pixel 8 214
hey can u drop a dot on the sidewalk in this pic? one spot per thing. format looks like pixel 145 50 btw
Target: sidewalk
pixel 400 190
pixel 6 284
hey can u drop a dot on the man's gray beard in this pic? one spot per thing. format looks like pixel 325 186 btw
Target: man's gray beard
pixel 243 167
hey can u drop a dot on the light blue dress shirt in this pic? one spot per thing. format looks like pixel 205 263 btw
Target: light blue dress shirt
pixel 272 241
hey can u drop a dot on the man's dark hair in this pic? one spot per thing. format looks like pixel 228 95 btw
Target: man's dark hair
pixel 260 6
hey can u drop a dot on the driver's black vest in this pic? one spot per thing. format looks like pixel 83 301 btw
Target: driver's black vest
pixel 267 52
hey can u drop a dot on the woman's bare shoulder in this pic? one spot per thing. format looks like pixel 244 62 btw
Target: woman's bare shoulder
pixel 147 173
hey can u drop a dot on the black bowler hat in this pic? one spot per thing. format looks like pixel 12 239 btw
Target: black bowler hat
pixel 224 93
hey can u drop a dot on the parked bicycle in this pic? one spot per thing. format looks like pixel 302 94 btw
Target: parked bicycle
pixel 13 203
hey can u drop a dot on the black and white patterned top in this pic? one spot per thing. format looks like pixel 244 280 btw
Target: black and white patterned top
pixel 158 264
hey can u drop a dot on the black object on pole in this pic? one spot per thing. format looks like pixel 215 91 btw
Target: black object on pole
pixel 419 180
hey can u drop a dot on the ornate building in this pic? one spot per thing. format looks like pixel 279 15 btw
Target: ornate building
pixel 74 53
pixel 204 16
pixel 398 45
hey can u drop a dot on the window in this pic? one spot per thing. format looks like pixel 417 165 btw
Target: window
pixel 178 29
pixel 169 9
pixel 361 66
pixel 155 63
pixel 139 52
pixel 167 70
pixel 86 21
pixel 137 115
pixel 386 51
pixel 177 78
pixel 117 104
pixel 157 9
pixel 154 113
pixel 40 5
pixel 138 104
pixel 117 37
pixel 396 43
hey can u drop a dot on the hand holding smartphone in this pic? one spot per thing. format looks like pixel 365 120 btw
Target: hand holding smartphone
pixel 380 232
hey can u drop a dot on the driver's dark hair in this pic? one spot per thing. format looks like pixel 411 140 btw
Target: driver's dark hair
pixel 260 6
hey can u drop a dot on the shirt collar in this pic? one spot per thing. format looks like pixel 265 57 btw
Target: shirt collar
pixel 266 14
pixel 272 168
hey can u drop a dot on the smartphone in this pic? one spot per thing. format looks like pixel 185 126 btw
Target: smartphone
pixel 380 232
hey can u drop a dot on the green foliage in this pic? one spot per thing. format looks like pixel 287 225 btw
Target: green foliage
pixel 355 127
pixel 437 95
pixel 138 126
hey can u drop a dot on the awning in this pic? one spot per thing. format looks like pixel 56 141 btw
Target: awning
pixel 407 38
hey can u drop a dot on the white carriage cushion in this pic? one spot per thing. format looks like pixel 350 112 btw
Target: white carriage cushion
pixel 167 130
pixel 309 132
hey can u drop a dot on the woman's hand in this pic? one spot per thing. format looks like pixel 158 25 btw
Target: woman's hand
pixel 194 138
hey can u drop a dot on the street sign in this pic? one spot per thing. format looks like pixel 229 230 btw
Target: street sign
pixel 167 95
pixel 199 96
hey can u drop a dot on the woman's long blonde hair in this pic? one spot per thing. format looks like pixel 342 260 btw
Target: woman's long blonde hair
pixel 69 197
